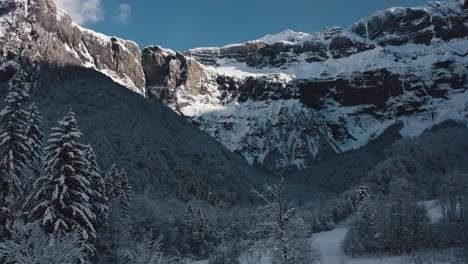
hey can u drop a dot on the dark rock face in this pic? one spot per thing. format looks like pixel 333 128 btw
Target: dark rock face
pixel 341 47
pixel 373 87
pixel 256 89
pixel 399 26
pixel 46 34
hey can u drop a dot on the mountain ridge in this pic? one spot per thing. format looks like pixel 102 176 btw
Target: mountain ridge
pixel 285 98
pixel 285 101
pixel 40 32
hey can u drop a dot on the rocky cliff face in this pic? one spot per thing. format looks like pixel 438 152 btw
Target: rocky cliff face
pixel 282 100
pixel 37 31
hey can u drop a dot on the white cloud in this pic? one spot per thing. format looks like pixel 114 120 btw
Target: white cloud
pixel 82 11
pixel 123 14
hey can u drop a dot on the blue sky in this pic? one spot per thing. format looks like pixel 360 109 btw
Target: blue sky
pixel 183 24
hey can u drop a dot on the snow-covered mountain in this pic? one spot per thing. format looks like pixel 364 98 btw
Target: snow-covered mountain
pixel 283 99
pixel 37 31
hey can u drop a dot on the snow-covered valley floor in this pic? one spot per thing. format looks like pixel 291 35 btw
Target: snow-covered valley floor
pixel 329 244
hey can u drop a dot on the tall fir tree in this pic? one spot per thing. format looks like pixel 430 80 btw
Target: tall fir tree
pixel 124 193
pixel 35 157
pixel 199 234
pixel 112 183
pixel 63 196
pixel 117 188
pixel 14 143
pixel 34 133
pixel 98 198
pixel 13 152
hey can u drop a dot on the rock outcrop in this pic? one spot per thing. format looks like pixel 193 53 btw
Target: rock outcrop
pixel 37 31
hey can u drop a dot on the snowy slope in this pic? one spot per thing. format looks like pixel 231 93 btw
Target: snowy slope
pixel 281 100
pixel 285 36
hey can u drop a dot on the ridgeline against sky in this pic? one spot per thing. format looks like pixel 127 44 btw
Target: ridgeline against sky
pixel 184 24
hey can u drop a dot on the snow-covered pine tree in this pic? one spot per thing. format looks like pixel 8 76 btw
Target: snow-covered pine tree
pixel 34 133
pixel 198 235
pixel 188 213
pixel 97 199
pixel 125 190
pixel 201 223
pixel 14 151
pixel 14 144
pixel 63 197
pixel 117 188
pixel 35 159
pixel 112 183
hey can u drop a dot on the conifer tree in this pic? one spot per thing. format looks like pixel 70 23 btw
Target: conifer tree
pixel 117 188
pixel 35 158
pixel 124 192
pixel 63 196
pixel 34 134
pixel 187 229
pixel 14 144
pixel 198 235
pixel 112 183
pixel 97 199
pixel 13 152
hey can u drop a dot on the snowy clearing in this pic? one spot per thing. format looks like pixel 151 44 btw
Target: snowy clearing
pixel 329 244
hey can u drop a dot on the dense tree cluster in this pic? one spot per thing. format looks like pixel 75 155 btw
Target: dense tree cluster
pixel 393 220
pixel 53 200
pixel 392 224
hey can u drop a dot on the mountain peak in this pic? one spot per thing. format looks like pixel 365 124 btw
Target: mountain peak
pixel 287 35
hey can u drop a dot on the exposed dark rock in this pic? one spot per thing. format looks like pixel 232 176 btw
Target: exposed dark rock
pixel 399 26
pixel 341 47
